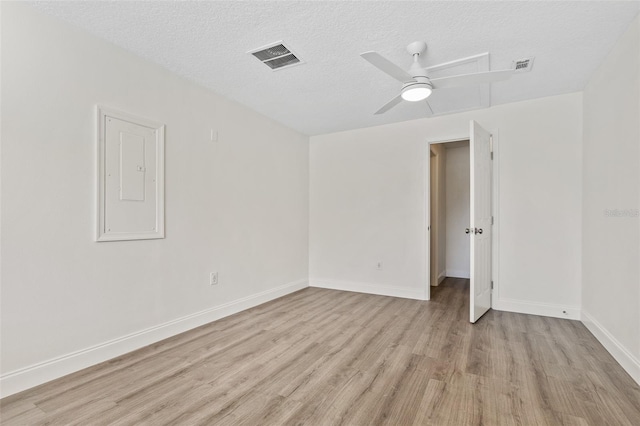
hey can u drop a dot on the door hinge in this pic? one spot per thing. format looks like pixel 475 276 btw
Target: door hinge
pixel 492 221
pixel 491 285
pixel 491 145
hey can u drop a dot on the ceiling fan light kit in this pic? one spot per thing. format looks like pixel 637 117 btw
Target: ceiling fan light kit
pixel 418 91
pixel 416 84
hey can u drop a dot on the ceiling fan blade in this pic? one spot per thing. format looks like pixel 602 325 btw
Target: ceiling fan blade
pixel 393 102
pixel 473 79
pixel 385 65
pixel 429 106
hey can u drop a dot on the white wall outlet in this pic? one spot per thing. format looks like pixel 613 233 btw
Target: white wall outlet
pixel 213 278
pixel 379 265
pixel 214 135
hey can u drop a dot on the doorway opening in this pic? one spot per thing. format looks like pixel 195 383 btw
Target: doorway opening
pixel 459 244
pixel 450 198
pixel 450 202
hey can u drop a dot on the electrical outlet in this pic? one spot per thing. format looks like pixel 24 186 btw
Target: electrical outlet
pixel 213 278
pixel 379 265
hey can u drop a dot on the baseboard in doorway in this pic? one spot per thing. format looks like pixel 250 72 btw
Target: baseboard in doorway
pixel 28 377
pixel 455 273
pixel 441 277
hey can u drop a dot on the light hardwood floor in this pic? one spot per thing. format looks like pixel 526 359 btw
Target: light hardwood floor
pixel 325 357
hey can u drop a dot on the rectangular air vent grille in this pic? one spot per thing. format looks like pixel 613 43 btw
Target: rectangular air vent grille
pixel 271 52
pixel 523 65
pixel 276 56
pixel 282 61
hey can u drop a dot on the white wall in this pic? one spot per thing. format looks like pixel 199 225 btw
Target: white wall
pixel 458 251
pixel 238 206
pixel 611 244
pixel 367 203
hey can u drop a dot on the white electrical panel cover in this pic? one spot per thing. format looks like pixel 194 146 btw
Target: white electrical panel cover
pixel 130 177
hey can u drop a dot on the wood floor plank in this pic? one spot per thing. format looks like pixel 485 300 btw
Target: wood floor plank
pixel 325 357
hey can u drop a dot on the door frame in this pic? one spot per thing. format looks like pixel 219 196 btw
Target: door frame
pixel 495 208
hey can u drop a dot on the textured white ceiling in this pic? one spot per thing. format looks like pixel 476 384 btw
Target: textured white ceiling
pixel 336 89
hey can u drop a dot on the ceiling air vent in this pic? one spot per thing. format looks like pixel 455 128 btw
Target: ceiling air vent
pixel 276 56
pixel 523 65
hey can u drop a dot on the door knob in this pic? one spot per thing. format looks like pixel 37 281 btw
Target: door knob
pixel 467 230
pixel 478 230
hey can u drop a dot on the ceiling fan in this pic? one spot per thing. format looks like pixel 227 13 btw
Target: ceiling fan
pixel 416 84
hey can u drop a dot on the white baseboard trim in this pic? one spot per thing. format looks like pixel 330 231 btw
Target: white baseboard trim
pixel 360 287
pixel 532 308
pixel 441 276
pixel 457 273
pixel 626 359
pixel 33 375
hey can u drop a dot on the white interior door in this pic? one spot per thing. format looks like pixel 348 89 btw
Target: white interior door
pixel 480 221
